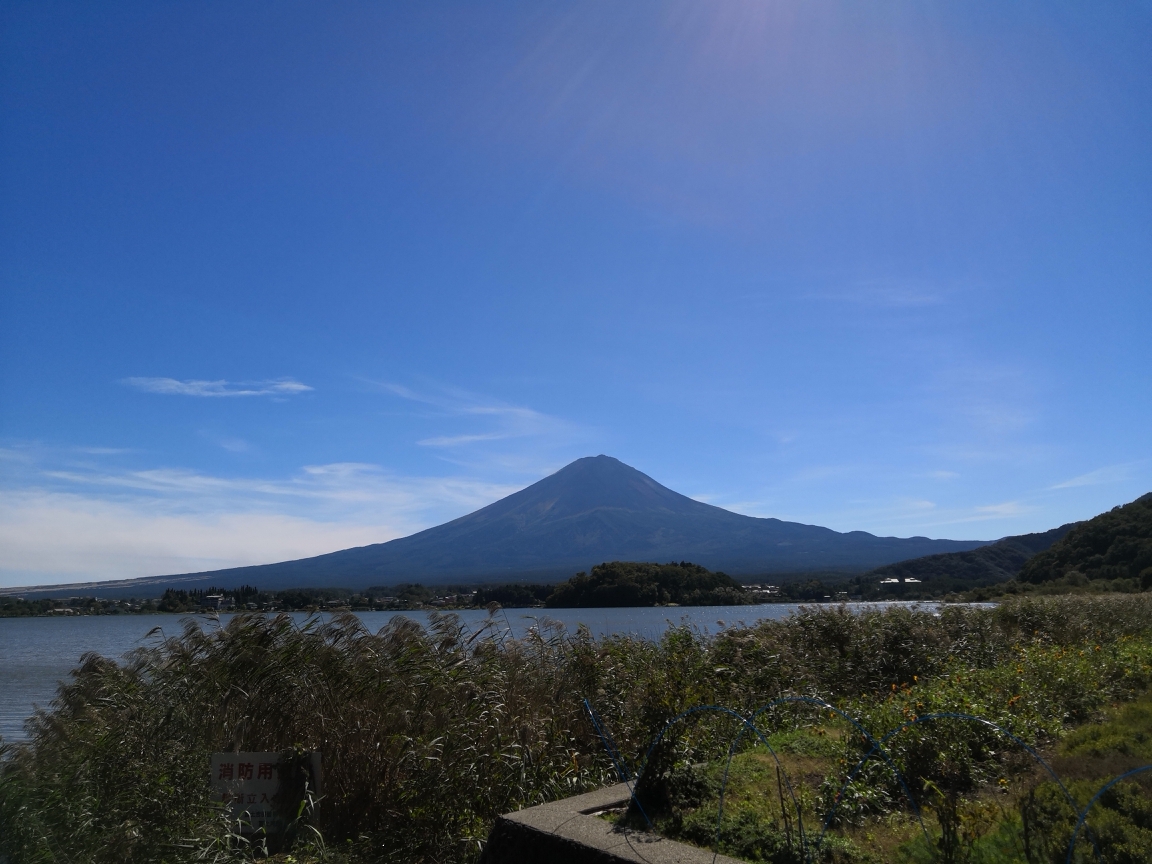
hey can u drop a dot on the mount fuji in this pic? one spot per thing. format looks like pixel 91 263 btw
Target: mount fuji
pixel 595 509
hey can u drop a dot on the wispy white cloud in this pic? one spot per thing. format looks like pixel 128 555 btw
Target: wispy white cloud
pixel 75 522
pixel 482 422
pixel 399 390
pixel 48 493
pixel 943 475
pixel 1101 476
pixel 60 537
pixel 459 440
pixel 885 294
pixel 339 487
pixel 452 401
pixel 926 514
pixel 1002 510
pixel 16 455
pixel 174 387
pixel 908 515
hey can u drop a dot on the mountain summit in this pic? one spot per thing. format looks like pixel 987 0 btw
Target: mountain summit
pixel 595 509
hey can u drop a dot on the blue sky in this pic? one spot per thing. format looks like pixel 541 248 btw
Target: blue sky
pixel 277 279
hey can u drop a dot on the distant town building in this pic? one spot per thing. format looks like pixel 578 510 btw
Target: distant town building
pixel 762 589
pixel 216 601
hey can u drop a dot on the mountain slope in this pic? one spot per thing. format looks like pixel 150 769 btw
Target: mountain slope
pixel 595 509
pixel 996 562
pixel 1113 545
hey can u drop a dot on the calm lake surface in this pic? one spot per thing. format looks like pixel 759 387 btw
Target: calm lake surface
pixel 36 654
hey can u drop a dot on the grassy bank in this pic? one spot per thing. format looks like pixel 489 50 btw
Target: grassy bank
pixel 427 735
pixel 981 796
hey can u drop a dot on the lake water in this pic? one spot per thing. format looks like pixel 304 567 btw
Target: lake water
pixel 36 654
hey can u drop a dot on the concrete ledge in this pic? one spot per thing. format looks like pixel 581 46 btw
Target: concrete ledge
pixel 568 832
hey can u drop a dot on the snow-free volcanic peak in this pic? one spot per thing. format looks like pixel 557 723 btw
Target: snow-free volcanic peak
pixel 595 509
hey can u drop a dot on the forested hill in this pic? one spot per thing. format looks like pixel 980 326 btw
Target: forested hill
pixel 1114 545
pixel 959 571
pixel 630 583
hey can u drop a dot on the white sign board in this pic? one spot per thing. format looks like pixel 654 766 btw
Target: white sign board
pixel 248 784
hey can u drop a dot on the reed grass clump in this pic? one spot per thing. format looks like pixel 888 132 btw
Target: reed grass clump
pixel 425 737
pixel 427 734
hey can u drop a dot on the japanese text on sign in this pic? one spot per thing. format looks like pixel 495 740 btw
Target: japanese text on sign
pixel 249 783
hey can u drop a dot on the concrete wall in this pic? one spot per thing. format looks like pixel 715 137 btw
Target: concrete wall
pixel 569 832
